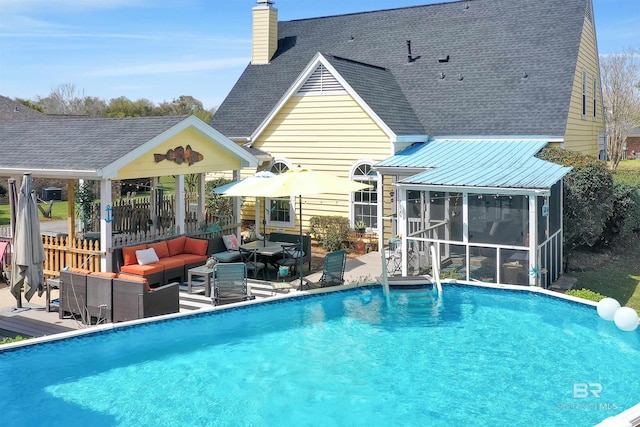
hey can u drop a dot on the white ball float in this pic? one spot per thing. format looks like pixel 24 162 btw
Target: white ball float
pixel 607 308
pixel 626 319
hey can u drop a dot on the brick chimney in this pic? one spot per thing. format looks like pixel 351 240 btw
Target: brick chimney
pixel 264 32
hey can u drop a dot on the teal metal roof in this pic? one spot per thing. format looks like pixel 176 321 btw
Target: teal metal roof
pixel 495 163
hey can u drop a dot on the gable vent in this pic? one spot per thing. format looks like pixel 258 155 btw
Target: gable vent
pixel 321 82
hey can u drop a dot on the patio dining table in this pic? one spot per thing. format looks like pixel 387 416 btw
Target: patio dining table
pixel 266 249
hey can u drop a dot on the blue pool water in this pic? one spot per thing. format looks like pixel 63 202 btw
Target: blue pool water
pixel 483 357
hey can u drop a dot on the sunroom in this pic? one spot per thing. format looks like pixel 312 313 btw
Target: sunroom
pixel 489 207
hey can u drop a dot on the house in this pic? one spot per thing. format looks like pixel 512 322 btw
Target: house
pixel 438 107
pixel 108 150
pixel 12 111
pixel 632 145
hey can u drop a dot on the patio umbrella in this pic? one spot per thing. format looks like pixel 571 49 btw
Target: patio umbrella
pixel 28 250
pixel 299 182
pixel 244 183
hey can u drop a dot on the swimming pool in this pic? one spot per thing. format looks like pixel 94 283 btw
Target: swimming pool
pixel 483 356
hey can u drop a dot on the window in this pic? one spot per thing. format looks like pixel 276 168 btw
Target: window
pixel 365 202
pixel 280 212
pixel 584 94
pixel 595 98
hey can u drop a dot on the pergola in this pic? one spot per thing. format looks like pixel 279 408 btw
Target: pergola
pixel 106 150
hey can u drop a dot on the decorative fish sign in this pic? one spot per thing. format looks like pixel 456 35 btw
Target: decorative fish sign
pixel 180 155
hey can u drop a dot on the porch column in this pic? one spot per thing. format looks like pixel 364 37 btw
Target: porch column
pixel 71 208
pixel 180 206
pixel 381 207
pixel 106 218
pixel 237 206
pixel 401 195
pixel 201 197
pixel 533 239
pixel 154 213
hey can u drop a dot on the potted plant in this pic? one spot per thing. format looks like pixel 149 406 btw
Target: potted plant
pixel 360 226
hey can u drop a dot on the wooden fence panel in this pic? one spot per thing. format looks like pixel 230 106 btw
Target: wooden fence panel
pixel 61 252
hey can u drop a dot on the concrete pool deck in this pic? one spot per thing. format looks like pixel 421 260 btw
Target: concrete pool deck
pixel 34 320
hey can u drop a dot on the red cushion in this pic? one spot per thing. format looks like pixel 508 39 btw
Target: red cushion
pixel 79 270
pixel 161 248
pixel 171 262
pixel 143 270
pixel 108 274
pixel 196 246
pixel 191 258
pixel 176 246
pixel 129 254
pixel 132 278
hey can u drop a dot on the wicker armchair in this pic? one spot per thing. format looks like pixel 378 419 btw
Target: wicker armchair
pixel 133 300
pixel 73 294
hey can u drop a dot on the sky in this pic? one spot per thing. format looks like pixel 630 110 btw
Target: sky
pixel 162 49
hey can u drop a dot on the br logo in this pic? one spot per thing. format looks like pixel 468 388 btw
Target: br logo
pixel 584 390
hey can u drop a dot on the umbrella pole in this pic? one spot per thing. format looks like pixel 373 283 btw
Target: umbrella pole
pixel 301 245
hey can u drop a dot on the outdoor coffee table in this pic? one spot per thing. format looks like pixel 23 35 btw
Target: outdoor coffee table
pixel 202 271
pixel 51 284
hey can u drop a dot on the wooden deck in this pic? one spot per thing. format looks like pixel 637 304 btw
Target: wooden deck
pixel 11 326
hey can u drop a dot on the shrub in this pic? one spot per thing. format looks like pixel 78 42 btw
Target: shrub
pixel 585 294
pixel 625 215
pixel 3 191
pixel 588 196
pixel 330 231
pixel 10 340
pixel 217 203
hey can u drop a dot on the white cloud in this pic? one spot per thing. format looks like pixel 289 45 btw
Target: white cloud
pixel 169 67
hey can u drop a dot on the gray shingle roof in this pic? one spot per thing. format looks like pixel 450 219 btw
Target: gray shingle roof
pixel 490 44
pixel 12 111
pixel 76 144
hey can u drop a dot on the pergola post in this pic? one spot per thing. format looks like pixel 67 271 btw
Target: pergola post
pixel 180 205
pixel 106 218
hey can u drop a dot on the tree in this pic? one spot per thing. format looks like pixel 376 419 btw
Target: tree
pixel 123 107
pixel 587 197
pixel 30 104
pixel 63 99
pixel 185 105
pixel 620 75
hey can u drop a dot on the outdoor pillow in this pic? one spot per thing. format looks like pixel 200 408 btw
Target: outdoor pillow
pixel 133 278
pixel 161 248
pixel 231 242
pixel 176 246
pixel 129 254
pixel 107 274
pixel 147 256
pixel 196 246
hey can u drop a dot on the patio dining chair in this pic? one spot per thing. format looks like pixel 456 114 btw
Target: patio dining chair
pixel 250 259
pixel 230 283
pixel 290 257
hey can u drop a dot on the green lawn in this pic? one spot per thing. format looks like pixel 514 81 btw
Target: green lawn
pixel 618 277
pixel 58 212
pixel 629 165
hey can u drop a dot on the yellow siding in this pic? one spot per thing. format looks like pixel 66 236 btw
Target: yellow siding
pixel 265 35
pixel 582 132
pixel 215 158
pixel 324 133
